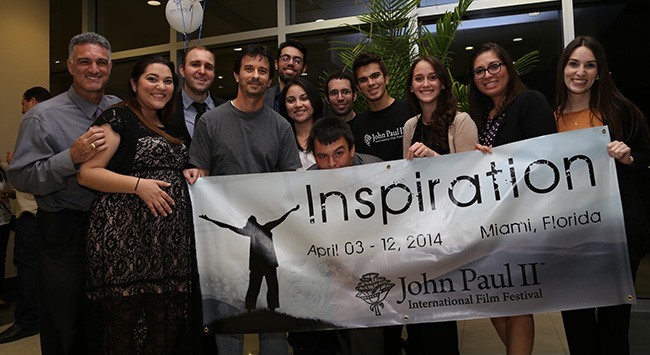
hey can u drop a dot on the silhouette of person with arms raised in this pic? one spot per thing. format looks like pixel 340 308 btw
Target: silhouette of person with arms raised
pixel 263 262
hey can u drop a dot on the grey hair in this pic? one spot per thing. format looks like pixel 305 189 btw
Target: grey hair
pixel 88 37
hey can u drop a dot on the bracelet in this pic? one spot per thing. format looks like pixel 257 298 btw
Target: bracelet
pixel 136 185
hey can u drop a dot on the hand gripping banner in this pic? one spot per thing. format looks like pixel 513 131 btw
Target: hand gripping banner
pixel 536 226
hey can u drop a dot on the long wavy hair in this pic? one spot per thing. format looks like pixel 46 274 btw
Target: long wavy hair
pixel 446 104
pixel 166 113
pixel 605 100
pixel 314 99
pixel 479 103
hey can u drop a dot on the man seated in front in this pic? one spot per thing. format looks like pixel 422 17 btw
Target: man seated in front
pixel 332 143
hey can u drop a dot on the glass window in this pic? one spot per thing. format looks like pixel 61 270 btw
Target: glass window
pixel 129 24
pixel 60 82
pixel 65 23
pixel 232 16
pixel 424 3
pixel 322 59
pixel 519 33
pixel 614 24
pixel 301 11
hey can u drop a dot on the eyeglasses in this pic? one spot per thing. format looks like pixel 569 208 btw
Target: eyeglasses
pixel 494 69
pixel 344 92
pixel 296 60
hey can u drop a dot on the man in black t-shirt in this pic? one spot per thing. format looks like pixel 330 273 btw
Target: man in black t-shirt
pixel 379 130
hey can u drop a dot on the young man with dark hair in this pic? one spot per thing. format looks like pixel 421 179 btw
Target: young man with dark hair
pixel 379 130
pixel 332 143
pixel 290 63
pixel 340 95
pixel 34 95
pixel 197 71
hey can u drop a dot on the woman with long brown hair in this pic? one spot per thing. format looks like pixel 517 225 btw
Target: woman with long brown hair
pixel 438 128
pixel 588 97
pixel 141 260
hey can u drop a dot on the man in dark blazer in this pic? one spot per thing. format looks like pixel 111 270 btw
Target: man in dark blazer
pixel 197 70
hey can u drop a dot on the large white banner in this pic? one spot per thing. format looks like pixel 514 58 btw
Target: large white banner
pixel 536 226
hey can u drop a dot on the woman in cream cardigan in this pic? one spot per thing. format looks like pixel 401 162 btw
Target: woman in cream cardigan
pixel 438 128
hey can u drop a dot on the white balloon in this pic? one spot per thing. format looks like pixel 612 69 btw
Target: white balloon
pixel 184 16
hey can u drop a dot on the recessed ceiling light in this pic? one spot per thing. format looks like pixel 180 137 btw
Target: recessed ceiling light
pixel 238 49
pixel 469 48
pixel 153 3
pixel 517 39
pixel 57 61
pixel 220 77
pixel 320 20
pixel 533 14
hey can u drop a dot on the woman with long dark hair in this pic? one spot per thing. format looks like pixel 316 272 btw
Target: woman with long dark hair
pixel 588 97
pixel 438 128
pixel 505 112
pixel 141 260
pixel 301 105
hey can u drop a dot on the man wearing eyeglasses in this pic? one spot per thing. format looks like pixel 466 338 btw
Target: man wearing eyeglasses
pixel 290 63
pixel 340 95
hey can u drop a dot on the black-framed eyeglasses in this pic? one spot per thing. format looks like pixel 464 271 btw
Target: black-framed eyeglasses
pixel 344 92
pixel 296 60
pixel 494 69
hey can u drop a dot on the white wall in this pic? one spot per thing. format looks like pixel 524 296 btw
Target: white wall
pixel 24 62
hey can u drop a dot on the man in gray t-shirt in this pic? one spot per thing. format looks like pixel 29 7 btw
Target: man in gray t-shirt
pixel 244 136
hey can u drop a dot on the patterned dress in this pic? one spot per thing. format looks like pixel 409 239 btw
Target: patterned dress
pixel 141 270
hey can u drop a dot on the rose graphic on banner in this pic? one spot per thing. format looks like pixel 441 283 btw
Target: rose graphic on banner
pixel 373 289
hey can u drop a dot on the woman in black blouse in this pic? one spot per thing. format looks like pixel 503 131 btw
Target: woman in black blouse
pixel 506 111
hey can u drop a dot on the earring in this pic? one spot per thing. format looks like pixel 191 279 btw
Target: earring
pixel 597 77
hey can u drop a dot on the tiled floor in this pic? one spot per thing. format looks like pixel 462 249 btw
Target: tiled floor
pixel 476 336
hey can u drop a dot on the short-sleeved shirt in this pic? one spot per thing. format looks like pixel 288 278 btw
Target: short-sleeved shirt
pixel 380 133
pixel 228 141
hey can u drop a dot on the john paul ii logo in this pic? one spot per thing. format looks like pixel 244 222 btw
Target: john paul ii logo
pixel 373 289
pixel 367 139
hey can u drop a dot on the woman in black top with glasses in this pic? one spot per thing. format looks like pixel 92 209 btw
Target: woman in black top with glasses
pixel 506 111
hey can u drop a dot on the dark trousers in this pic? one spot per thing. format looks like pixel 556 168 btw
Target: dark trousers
pixel 5 231
pixel 26 262
pixel 602 330
pixel 254 284
pixel 443 336
pixel 62 238
pixel 313 343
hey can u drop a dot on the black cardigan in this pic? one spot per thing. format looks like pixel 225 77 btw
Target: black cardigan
pixel 528 116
